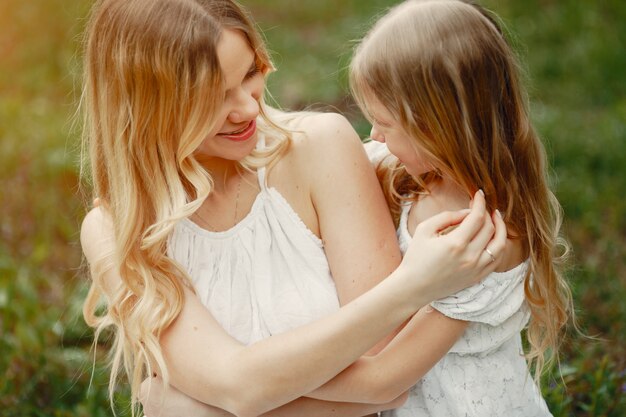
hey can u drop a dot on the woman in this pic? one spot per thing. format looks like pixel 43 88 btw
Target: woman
pixel 207 197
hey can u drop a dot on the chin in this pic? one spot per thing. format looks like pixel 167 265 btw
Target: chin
pixel 231 151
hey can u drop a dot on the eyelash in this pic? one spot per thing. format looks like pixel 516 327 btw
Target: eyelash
pixel 384 125
pixel 254 71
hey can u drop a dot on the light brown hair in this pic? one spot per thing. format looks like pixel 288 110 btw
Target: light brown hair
pixel 445 71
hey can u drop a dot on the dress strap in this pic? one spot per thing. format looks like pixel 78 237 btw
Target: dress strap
pixel 261 170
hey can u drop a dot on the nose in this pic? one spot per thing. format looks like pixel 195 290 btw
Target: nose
pixel 376 135
pixel 246 107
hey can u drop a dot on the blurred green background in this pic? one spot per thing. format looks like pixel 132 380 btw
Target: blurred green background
pixel 576 57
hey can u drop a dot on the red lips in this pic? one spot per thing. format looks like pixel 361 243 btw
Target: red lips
pixel 241 136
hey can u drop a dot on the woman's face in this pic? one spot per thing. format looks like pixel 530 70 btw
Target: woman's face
pixel 387 130
pixel 235 135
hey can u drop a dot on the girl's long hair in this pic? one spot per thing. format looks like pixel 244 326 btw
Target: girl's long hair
pixel 445 71
pixel 151 89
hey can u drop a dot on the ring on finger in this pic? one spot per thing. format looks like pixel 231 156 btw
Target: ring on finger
pixel 493 258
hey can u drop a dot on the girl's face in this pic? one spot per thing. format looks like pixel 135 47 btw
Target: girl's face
pixel 235 134
pixel 387 130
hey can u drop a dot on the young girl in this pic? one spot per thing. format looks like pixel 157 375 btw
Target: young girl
pixel 217 228
pixel 441 87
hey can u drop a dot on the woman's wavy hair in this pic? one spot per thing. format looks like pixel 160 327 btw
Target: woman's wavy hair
pixel 445 71
pixel 152 87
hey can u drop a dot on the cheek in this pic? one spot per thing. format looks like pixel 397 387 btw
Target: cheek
pixel 222 119
pixel 401 148
pixel 419 165
pixel 415 162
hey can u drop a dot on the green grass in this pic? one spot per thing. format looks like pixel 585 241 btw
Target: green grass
pixel 574 55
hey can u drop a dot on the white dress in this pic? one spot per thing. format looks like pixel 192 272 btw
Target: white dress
pixel 266 275
pixel 485 373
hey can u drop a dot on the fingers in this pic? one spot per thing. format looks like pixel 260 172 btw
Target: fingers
pixel 492 254
pixel 482 237
pixel 441 221
pixel 498 242
pixel 474 221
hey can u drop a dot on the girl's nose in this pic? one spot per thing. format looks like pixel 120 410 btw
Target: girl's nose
pixel 376 135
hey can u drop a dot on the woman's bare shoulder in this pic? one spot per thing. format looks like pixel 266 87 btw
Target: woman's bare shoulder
pixel 322 138
pixel 96 232
pixel 325 128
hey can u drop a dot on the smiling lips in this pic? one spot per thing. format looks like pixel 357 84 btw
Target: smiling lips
pixel 241 135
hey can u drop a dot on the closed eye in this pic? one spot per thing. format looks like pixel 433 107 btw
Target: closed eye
pixel 254 70
pixel 381 124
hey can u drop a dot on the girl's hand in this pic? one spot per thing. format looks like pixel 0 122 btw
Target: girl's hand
pixel 158 401
pixel 460 258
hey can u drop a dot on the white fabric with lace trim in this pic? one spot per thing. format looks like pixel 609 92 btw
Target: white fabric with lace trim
pixel 485 373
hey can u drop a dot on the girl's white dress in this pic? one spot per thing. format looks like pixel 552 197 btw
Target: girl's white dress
pixel 485 373
pixel 266 275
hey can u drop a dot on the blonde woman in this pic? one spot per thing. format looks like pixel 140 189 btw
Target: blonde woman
pixel 441 87
pixel 221 220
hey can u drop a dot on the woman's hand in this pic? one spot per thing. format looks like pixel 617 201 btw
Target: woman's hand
pixel 458 259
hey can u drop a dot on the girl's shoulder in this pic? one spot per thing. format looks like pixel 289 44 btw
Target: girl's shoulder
pixel 441 197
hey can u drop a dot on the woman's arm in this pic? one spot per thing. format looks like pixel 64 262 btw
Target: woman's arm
pixel 157 401
pixel 212 367
pixel 408 357
pixel 351 215
pixel 354 221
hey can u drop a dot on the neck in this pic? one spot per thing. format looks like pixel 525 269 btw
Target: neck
pixel 223 171
pixel 449 194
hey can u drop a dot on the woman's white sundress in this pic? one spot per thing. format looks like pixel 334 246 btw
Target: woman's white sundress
pixel 485 373
pixel 266 275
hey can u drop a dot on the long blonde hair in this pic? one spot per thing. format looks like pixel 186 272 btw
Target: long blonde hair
pixel 444 70
pixel 152 88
